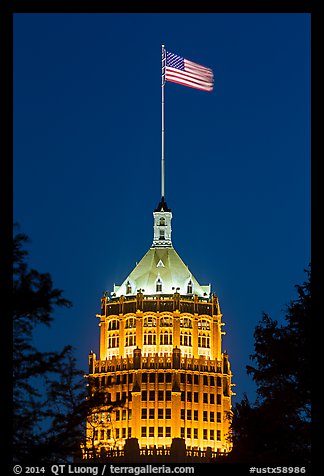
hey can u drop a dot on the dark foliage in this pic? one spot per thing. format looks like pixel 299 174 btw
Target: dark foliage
pixel 276 429
pixel 48 390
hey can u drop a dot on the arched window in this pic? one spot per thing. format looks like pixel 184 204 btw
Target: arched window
pixel 189 287
pixel 130 323
pixel 185 339
pixel 149 321
pixel 165 338
pixel 113 325
pixel 204 324
pixel 158 285
pixel 166 321
pixel 185 322
pixel 162 235
pixel 130 340
pixel 203 340
pixel 113 341
pixel 149 338
pixel 128 288
pixel 162 221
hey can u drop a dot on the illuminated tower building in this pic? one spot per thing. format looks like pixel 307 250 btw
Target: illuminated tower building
pixel 161 353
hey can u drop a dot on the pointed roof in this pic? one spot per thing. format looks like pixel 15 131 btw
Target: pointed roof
pixel 164 264
pixel 161 265
pixel 162 206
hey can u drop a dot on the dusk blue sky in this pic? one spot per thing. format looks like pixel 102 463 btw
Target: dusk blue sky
pixel 87 160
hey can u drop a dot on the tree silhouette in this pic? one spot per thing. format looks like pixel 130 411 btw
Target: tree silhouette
pixel 276 429
pixel 48 389
pixel 52 402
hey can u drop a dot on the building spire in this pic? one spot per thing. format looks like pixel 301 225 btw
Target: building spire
pixel 162 121
pixel 162 225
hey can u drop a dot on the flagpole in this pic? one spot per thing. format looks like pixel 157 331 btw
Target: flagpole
pixel 162 118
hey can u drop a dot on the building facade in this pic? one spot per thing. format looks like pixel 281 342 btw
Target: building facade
pixel 161 368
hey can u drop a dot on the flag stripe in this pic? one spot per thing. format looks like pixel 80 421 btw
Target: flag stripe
pixel 188 75
pixel 198 67
pixel 187 79
pixel 191 85
pixel 182 71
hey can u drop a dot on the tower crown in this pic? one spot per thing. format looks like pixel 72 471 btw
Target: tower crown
pixel 161 270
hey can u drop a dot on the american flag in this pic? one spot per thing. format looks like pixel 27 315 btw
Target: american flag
pixel 182 71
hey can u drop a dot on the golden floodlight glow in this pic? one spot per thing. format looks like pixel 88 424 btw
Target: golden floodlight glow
pixel 160 355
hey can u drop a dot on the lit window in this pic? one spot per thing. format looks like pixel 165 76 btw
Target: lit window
pixel 113 325
pixel 149 321
pixel 130 323
pixel 162 221
pixel 165 338
pixel 149 338
pixel 159 286
pixel 185 339
pixel 203 341
pixel 130 340
pixel 113 341
pixel 166 321
pixel 185 322
pixel 204 324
